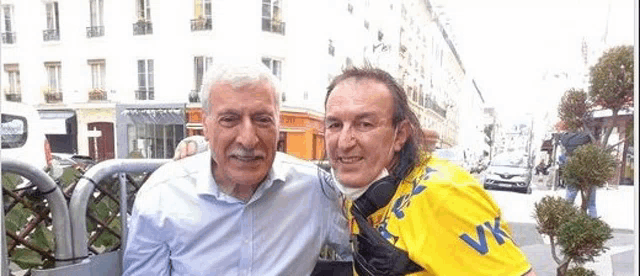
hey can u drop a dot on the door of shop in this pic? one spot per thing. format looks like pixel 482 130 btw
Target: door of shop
pixel 102 133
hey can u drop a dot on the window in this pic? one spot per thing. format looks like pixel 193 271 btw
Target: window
pixel 200 66
pixel 145 80
pixel 53 76
pixel 53 91
pixel 276 68
pixel 143 25
pixel 12 93
pixel 143 10
pixel 154 140
pixel 202 13
pixel 53 26
pixel 332 49
pixel 98 91
pixel 272 16
pixel 96 13
pixel 8 34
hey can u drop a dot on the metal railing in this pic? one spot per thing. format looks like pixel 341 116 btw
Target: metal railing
pixel 97 95
pixel 144 94
pixel 52 34
pixel 86 187
pixel 201 24
pixel 71 222
pixel 142 28
pixel 269 25
pixel 95 31
pixel 9 38
pixel 58 208
pixel 53 97
pixel 13 96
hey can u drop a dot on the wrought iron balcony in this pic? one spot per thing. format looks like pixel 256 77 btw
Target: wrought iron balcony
pixel 52 34
pixel 142 28
pixel 14 96
pixel 97 94
pixel 194 96
pixel 95 31
pixel 269 25
pixel 9 38
pixel 53 96
pixel 144 94
pixel 201 24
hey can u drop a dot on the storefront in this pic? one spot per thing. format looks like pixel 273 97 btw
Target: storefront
pixel 149 131
pixel 96 126
pixel 60 127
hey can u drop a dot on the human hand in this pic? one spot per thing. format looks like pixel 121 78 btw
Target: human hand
pixel 190 146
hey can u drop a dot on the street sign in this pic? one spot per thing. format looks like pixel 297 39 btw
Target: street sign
pixel 94 133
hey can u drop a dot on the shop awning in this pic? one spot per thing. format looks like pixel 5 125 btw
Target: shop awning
pixel 547 146
pixel 55 121
pixel 156 116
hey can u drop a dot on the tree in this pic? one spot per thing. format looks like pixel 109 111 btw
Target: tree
pixel 611 83
pixel 581 237
pixel 611 87
pixel 574 109
pixel 589 167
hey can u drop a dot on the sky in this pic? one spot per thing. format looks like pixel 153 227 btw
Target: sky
pixel 517 51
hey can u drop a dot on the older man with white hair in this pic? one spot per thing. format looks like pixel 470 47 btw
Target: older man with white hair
pixel 239 208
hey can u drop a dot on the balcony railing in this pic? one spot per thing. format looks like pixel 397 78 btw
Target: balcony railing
pixel 194 96
pixel 52 34
pixel 95 31
pixel 144 94
pixel 53 97
pixel 8 38
pixel 200 24
pixel 97 95
pixel 429 103
pixel 269 25
pixel 142 28
pixel 13 96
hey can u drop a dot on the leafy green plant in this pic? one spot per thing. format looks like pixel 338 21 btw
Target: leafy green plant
pixel 580 271
pixel 580 237
pixel 589 167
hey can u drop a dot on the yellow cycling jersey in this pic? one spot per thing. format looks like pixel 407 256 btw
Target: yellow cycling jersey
pixel 448 224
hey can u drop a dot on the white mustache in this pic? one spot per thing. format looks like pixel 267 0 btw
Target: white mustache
pixel 245 153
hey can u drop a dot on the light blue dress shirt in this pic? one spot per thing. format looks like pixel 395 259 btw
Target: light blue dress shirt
pixel 182 224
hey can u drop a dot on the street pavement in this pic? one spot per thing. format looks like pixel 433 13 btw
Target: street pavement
pixel 614 206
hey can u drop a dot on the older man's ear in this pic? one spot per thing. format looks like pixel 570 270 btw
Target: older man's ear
pixel 190 146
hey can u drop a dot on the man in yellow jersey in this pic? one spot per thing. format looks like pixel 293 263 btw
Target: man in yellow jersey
pixel 409 212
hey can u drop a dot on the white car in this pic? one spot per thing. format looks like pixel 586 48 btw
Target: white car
pixel 22 136
pixel 508 172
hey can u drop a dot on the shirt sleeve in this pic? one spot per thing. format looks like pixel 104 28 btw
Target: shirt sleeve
pixel 457 229
pixel 146 251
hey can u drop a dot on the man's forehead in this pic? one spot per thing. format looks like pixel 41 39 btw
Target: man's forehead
pixel 365 97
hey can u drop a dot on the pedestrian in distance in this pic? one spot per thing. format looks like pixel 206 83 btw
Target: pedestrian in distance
pixel 238 208
pixel 408 212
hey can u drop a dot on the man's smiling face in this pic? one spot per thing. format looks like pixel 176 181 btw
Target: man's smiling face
pixel 358 130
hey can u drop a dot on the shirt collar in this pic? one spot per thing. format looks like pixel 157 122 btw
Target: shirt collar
pixel 206 185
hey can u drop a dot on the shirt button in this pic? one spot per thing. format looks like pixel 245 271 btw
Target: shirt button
pixel 246 241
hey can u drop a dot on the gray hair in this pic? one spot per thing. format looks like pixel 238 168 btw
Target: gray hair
pixel 238 74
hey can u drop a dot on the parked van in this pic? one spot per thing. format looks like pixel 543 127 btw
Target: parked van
pixel 22 136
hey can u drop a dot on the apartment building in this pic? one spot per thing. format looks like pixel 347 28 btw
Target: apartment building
pixel 122 79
